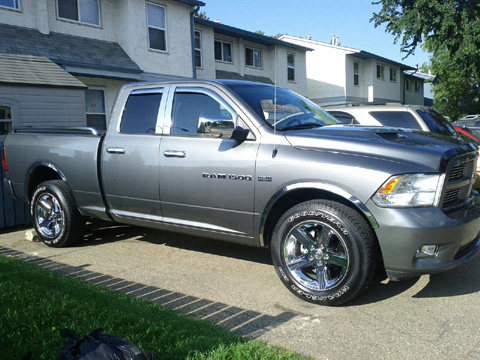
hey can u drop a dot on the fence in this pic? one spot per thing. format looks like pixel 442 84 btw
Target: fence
pixel 12 212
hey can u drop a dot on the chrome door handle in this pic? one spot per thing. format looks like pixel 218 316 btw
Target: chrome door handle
pixel 174 153
pixel 116 150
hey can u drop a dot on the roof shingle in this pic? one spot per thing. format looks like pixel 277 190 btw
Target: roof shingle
pixel 34 70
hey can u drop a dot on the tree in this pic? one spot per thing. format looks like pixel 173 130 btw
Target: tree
pixel 450 31
pixel 201 15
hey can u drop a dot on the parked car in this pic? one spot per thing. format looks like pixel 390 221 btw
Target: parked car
pixel 471 133
pixel 262 166
pixel 395 115
pixel 470 121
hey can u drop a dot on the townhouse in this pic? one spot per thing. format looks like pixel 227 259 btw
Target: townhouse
pixel 339 75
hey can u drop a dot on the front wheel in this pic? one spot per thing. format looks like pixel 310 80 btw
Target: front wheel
pixel 56 218
pixel 324 252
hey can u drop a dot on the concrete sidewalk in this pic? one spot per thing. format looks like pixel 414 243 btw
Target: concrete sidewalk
pixel 432 317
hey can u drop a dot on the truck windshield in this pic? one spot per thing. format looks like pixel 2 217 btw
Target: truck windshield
pixel 282 108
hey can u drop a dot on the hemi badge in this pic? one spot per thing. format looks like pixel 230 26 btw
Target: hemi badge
pixel 265 178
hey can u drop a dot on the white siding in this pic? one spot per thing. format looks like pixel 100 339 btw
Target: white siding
pixel 45 106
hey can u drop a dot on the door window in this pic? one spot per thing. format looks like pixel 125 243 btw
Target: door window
pixel 199 114
pixel 141 112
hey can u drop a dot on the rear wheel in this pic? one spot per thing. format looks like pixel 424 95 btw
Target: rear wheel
pixel 56 218
pixel 324 252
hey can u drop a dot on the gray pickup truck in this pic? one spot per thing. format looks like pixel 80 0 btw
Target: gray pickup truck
pixel 258 165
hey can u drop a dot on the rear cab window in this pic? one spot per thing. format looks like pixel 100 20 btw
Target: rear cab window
pixel 402 119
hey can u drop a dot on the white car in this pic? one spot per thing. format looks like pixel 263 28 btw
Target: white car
pixel 395 115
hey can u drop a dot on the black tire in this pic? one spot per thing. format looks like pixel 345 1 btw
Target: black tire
pixel 56 218
pixel 324 252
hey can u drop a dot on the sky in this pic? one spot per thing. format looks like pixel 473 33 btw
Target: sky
pixel 347 19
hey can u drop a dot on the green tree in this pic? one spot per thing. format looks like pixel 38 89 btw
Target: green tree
pixel 450 31
pixel 201 15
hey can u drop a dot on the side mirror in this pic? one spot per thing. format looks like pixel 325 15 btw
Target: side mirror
pixel 240 134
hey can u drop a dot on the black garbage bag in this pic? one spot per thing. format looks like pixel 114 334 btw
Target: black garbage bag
pixel 97 345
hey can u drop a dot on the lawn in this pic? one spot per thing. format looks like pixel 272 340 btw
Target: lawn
pixel 35 304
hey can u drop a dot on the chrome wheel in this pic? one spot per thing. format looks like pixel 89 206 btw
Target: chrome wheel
pixel 316 255
pixel 49 215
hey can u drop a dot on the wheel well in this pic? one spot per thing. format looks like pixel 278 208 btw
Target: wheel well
pixel 296 197
pixel 39 175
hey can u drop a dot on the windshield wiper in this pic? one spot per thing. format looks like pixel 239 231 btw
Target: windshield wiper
pixel 301 126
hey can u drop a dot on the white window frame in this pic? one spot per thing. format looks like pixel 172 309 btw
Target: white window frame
pixel 356 74
pixel 198 49
pixel 157 28
pixel 79 21
pixel 393 75
pixel 417 87
pixel 254 50
pixel 291 67
pixel 222 53
pixel 7 106
pixel 408 85
pixel 104 91
pixel 380 72
pixel 16 6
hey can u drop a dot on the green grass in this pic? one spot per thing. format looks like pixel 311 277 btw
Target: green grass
pixel 35 304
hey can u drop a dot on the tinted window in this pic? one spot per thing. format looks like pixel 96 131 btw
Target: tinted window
pixel 344 117
pixel 140 114
pixel 436 122
pixel 401 119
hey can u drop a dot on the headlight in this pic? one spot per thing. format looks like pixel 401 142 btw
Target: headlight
pixel 410 190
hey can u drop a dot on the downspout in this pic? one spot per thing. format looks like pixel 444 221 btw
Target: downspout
pixel 192 37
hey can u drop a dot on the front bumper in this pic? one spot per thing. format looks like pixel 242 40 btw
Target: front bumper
pixel 402 232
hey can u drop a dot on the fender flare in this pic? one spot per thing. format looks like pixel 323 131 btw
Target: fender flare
pixel 314 186
pixel 35 166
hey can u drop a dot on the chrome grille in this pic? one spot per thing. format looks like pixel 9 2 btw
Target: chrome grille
pixel 459 180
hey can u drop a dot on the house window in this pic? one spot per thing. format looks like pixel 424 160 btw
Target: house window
pixel 157 38
pixel 393 75
pixel 408 85
pixel 356 75
pixel 290 67
pixel 84 11
pixel 6 123
pixel 253 57
pixel 380 72
pixel 417 86
pixel 12 4
pixel 95 109
pixel 198 48
pixel 223 51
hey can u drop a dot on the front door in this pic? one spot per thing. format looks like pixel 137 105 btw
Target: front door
pixel 206 178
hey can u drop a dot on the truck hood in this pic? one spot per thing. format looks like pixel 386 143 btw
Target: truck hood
pixel 424 150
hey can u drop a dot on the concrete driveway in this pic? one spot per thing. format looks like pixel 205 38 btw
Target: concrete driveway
pixel 431 317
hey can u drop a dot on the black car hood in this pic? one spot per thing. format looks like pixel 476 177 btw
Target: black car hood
pixel 424 150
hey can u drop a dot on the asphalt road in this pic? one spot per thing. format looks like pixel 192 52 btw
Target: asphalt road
pixel 431 317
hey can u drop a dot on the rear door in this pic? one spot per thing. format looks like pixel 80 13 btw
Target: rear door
pixel 130 158
pixel 206 178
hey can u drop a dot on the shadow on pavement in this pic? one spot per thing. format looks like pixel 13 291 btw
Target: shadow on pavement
pixel 105 232
pixel 460 281
pixel 242 321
